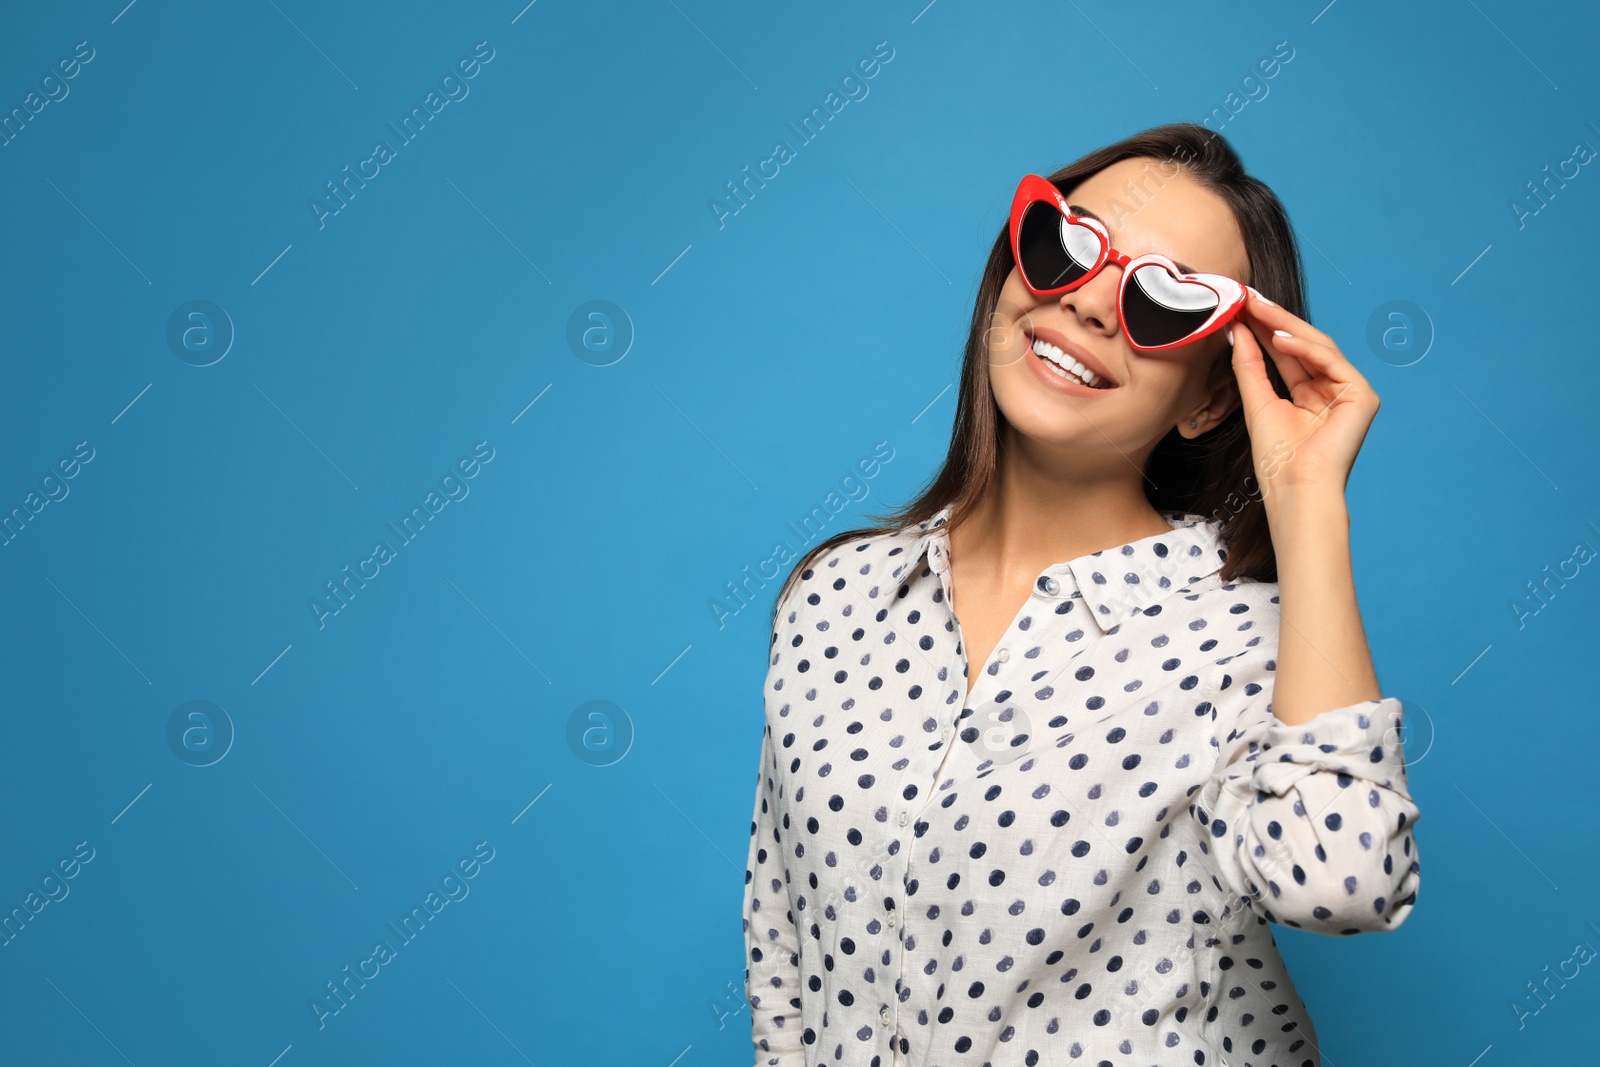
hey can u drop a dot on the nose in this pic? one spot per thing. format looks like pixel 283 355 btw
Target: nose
pixel 1094 303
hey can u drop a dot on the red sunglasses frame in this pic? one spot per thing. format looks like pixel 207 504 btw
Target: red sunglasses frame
pixel 1231 295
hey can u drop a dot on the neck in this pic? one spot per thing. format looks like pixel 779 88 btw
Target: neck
pixel 1034 515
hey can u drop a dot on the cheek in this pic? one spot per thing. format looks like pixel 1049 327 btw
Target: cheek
pixel 1205 363
pixel 1014 303
pixel 1003 337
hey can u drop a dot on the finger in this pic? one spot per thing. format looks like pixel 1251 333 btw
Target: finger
pixel 1323 359
pixel 1328 403
pixel 1290 367
pixel 1275 317
pixel 1250 367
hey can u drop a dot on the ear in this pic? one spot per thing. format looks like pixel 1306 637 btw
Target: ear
pixel 1222 394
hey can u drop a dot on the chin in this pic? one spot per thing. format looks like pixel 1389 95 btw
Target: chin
pixel 1039 416
pixel 1062 421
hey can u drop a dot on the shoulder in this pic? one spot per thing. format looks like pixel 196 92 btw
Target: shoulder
pixel 1244 619
pixel 860 564
pixel 1241 618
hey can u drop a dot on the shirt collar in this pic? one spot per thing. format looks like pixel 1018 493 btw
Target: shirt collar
pixel 1114 583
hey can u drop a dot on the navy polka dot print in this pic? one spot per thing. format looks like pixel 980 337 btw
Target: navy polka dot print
pixel 1079 860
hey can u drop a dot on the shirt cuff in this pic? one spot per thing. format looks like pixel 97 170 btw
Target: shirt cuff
pixel 1312 824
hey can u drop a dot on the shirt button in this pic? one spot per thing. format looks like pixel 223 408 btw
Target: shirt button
pixel 945 732
pixel 883 1014
pixel 891 922
pixel 1052 586
pixel 1003 655
pixel 905 817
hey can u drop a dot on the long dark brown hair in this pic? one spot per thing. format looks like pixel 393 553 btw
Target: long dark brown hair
pixel 1213 474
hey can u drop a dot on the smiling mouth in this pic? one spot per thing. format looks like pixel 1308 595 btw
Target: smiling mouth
pixel 1067 367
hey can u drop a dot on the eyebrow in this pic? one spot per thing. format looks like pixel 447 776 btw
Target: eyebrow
pixel 1078 209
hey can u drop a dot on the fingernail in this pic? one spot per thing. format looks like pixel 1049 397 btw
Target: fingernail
pixel 1283 333
pixel 1260 297
pixel 1230 334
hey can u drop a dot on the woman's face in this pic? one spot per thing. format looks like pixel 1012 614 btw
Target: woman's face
pixel 1144 211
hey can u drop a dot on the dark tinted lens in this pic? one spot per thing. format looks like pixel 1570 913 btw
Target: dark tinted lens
pixel 1054 252
pixel 1161 310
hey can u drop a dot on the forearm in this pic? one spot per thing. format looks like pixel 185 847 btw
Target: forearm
pixel 1323 660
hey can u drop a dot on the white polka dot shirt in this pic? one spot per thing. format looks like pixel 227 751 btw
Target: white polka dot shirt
pixel 1080 860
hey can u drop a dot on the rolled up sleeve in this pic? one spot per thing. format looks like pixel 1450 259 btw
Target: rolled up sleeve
pixel 772 969
pixel 1312 824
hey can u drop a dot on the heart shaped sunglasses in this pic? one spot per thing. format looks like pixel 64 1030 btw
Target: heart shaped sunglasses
pixel 1159 306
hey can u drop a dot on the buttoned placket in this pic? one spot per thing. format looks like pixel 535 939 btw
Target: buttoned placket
pixel 939 563
pixel 1056 583
pixel 927 777
pixel 1047 587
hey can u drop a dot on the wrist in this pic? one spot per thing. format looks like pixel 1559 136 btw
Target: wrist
pixel 1300 503
pixel 1313 520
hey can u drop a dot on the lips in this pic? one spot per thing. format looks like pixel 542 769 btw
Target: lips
pixel 1076 351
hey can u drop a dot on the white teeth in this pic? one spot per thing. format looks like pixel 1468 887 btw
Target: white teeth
pixel 1077 370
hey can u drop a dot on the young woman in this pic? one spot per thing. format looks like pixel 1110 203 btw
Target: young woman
pixel 1047 750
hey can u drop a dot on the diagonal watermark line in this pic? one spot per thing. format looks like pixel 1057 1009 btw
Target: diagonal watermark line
pixel 1502 833
pixel 713 44
pixel 302 833
pixel 280 1056
pixel 669 666
pixel 499 631
pixel 131 803
pixel 101 632
pixel 696 826
pixel 899 231
pixel 1324 11
pixel 530 804
pixel 302 433
pixel 132 402
pixel 1509 441
pixel 499 231
pixel 669 266
pixel 1469 266
pixel 524 11
pixel 269 266
pixel 1320 252
pixel 490 1021
pixel 1468 667
pixel 101 232
pixel 924 11
pixel 313 44
pixel 702 433
pixel 90 1021
pixel 124 11
pixel 269 666
pixel 1513 44
pixel 930 404
pixel 530 403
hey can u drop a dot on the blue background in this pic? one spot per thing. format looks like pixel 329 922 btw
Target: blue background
pixel 748 367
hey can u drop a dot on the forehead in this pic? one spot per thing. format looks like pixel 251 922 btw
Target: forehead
pixel 1148 206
